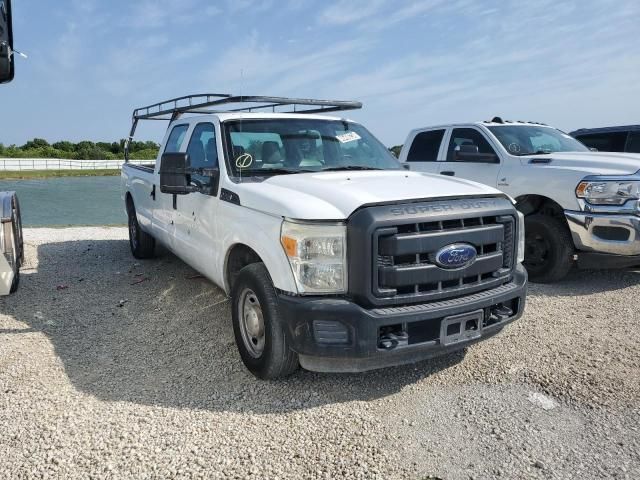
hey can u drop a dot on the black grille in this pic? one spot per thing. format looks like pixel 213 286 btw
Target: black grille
pixel 405 257
pixel 403 240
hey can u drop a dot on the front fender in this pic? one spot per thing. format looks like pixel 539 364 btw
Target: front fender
pixel 261 233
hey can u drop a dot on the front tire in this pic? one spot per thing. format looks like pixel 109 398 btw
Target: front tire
pixel 548 248
pixel 257 325
pixel 142 244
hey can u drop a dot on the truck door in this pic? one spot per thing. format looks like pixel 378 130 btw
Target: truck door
pixel 470 155
pixel 425 151
pixel 195 216
pixel 162 203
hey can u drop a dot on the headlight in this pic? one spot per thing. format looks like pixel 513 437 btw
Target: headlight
pixel 608 192
pixel 520 257
pixel 317 254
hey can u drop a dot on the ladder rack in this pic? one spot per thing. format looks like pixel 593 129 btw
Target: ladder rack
pixel 209 103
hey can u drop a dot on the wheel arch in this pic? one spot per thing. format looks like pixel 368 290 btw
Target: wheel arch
pixel 128 201
pixel 539 204
pixel 238 256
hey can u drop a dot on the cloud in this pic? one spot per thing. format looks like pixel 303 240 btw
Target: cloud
pixel 160 13
pixel 344 12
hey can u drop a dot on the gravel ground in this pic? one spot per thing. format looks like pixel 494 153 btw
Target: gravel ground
pixel 112 368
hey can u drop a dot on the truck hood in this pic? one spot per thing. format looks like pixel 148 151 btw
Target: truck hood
pixel 591 163
pixel 336 195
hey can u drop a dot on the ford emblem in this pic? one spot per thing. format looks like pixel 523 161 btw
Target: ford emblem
pixel 456 255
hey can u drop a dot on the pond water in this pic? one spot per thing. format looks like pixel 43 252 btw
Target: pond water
pixel 69 201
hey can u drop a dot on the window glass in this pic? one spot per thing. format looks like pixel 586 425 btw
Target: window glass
pixel 282 146
pixel 176 137
pixel 470 136
pixel 535 140
pixel 605 142
pixel 202 151
pixel 634 142
pixel 425 146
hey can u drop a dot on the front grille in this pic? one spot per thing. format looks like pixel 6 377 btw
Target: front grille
pixel 403 268
pixel 405 257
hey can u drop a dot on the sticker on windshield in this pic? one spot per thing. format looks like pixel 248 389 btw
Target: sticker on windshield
pixel 244 161
pixel 348 137
pixel 514 148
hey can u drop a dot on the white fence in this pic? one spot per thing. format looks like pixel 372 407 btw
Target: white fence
pixel 19 164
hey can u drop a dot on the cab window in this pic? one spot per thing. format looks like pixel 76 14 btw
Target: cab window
pixel 202 150
pixel 470 136
pixel 633 145
pixel 176 137
pixel 605 142
pixel 425 146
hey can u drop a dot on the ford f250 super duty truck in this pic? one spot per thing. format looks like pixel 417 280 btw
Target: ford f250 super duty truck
pixel 580 206
pixel 334 256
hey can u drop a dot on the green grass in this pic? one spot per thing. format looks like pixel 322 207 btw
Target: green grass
pixel 26 174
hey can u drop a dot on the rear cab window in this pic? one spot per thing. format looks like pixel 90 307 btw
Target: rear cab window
pixel 176 137
pixel 426 146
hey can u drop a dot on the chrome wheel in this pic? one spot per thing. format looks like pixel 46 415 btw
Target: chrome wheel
pixel 251 323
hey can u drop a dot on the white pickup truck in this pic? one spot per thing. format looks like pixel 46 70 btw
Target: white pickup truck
pixel 580 206
pixel 335 257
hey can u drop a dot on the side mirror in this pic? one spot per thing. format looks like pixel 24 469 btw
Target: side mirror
pixel 467 149
pixel 470 153
pixel 593 149
pixel 406 166
pixel 175 174
pixel 6 43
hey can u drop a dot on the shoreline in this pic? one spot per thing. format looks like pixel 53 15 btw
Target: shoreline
pixel 40 174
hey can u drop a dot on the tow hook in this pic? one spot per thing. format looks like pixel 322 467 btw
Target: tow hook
pixel 389 341
pixel 501 312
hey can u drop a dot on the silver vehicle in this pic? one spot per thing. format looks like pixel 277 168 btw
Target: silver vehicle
pixel 11 244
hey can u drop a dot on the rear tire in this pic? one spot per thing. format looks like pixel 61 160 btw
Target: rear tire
pixel 548 248
pixel 142 244
pixel 18 245
pixel 257 325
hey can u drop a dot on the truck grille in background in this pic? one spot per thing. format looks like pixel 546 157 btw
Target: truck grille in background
pixel 404 258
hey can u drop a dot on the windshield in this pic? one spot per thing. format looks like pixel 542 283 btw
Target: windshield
pixel 532 140
pixel 281 146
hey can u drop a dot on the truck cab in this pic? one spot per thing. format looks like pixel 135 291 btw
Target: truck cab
pixel 335 257
pixel 581 207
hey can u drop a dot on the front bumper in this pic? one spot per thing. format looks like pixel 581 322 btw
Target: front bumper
pixel 605 233
pixel 337 335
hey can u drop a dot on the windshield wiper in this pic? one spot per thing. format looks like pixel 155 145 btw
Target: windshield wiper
pixel 348 167
pixel 538 152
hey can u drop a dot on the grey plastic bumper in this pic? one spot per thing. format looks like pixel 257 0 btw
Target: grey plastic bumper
pixel 360 349
pixel 605 233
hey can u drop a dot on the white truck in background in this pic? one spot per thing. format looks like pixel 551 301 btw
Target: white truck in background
pixel 580 206
pixel 335 257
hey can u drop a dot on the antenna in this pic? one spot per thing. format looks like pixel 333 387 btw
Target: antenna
pixel 12 51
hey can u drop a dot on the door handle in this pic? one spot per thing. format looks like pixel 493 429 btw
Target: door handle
pixel 153 191
pixel 449 173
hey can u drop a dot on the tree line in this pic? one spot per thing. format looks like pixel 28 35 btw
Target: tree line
pixel 85 150
pixel 88 150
